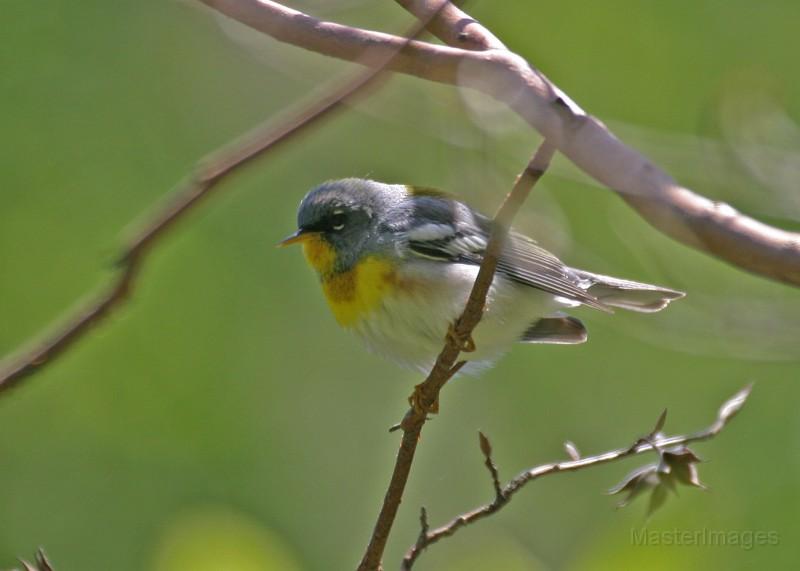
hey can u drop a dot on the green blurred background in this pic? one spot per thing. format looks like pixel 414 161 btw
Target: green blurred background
pixel 220 420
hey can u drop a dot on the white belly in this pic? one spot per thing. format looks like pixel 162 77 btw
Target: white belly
pixel 410 326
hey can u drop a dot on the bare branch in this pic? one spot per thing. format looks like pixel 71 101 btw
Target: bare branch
pixel 726 412
pixel 426 394
pixel 455 27
pixel 369 48
pixel 208 173
pixel 713 227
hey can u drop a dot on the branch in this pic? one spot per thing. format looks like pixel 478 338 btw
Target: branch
pixel 209 172
pixel 426 394
pixel 503 495
pixel 454 27
pixel 713 227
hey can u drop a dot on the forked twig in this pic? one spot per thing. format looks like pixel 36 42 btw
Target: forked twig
pixel 427 392
pixel 645 444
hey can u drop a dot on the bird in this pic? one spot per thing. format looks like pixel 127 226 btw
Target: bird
pixel 397 263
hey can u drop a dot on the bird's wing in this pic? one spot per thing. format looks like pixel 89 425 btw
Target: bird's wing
pixel 447 230
pixel 527 263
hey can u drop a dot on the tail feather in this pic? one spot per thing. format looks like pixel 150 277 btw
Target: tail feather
pixel 559 330
pixel 627 294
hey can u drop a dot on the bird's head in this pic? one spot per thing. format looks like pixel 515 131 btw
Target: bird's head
pixel 339 222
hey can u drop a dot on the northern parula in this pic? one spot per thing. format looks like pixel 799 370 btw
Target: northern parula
pixel 397 263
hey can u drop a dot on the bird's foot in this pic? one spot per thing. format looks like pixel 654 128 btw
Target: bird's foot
pixel 416 398
pixel 466 345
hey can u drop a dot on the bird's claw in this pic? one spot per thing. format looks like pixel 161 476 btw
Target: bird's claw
pixel 465 345
pixel 416 398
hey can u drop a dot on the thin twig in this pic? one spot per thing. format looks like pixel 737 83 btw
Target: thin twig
pixel 486 449
pixel 427 392
pixel 209 172
pixel 645 444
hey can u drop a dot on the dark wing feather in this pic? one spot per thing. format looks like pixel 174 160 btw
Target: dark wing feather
pixel 449 231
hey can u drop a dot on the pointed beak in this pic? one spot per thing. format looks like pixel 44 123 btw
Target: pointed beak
pixel 299 236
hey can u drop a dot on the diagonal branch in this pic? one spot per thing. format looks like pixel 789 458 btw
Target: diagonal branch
pixel 426 394
pixel 428 537
pixel 709 226
pixel 209 172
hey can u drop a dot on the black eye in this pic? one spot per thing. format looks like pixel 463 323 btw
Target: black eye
pixel 337 221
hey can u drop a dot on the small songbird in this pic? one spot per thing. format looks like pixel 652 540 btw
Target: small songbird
pixel 397 263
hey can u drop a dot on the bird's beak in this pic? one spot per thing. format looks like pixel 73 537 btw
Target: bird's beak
pixel 299 236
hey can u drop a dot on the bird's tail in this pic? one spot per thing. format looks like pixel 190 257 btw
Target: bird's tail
pixel 626 294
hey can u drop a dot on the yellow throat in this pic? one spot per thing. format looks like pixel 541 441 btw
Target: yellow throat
pixel 353 293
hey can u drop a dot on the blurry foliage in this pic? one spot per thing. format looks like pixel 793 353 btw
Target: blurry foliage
pixel 225 382
pixel 216 539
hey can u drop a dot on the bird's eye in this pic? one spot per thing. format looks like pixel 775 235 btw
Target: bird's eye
pixel 337 221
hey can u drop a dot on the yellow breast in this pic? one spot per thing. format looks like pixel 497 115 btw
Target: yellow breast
pixel 351 294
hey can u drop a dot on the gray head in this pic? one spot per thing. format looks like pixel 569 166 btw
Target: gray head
pixel 348 214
